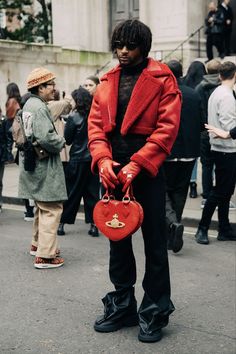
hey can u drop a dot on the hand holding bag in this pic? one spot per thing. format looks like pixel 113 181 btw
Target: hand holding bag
pixel 118 219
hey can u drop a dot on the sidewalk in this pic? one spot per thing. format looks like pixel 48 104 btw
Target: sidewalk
pixel 191 216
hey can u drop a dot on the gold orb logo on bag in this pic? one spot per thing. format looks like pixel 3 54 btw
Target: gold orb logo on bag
pixel 115 223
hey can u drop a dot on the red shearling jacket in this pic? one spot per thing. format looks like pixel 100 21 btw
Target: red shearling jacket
pixel 153 110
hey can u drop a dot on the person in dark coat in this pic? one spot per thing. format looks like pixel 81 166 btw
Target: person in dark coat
pixel 194 76
pixel 214 31
pixel 80 181
pixel 179 164
pixel 12 106
pixel 228 24
pixel 209 83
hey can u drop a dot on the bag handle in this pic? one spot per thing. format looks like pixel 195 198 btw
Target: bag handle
pixel 128 195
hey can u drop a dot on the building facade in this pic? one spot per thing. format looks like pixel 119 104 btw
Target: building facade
pixel 88 24
pixel 81 35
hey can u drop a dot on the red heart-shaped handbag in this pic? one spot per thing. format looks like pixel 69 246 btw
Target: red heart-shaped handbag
pixel 118 219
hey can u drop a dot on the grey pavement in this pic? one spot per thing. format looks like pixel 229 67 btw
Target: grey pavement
pixel 191 215
pixel 53 311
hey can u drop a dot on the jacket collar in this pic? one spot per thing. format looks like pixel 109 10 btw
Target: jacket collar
pixel 145 89
pixel 154 68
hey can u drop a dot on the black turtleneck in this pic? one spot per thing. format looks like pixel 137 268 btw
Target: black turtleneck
pixel 124 147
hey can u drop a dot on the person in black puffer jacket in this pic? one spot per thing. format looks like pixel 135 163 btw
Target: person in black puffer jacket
pixel 80 181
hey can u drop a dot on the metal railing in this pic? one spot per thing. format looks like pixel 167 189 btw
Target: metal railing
pixel 181 45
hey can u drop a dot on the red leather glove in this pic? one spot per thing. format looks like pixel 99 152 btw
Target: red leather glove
pixel 128 173
pixel 106 173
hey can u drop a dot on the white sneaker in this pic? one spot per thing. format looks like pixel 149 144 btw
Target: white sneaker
pixel 46 263
pixel 232 206
pixel 28 217
pixel 203 202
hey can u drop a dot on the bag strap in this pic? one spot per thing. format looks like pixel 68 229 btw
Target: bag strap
pixel 128 195
pixel 19 117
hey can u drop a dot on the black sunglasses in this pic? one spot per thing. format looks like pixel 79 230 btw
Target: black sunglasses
pixel 128 45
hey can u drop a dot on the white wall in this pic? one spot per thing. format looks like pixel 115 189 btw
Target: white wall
pixel 167 20
pixel 71 67
pixel 81 24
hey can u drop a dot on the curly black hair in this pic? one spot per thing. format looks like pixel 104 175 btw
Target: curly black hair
pixel 83 100
pixel 133 31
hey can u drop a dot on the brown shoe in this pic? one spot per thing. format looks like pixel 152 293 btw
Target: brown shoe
pixel 33 251
pixel 46 263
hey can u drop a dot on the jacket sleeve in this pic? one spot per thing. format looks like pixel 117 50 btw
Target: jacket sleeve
pixel 233 133
pixel 98 143
pixel 159 144
pixel 70 130
pixel 227 112
pixel 44 132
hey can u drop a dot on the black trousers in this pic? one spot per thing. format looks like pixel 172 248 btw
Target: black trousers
pixel 227 39
pixel 150 192
pixel 80 183
pixel 177 176
pixel 217 41
pixel 207 162
pixel 225 172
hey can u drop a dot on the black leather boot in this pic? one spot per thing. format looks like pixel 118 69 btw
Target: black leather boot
pixel 226 235
pixel 120 310
pixel 152 318
pixel 93 231
pixel 175 241
pixel 193 190
pixel 60 230
pixel 202 235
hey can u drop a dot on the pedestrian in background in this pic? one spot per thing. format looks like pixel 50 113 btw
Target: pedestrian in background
pixel 45 184
pixel 214 30
pixel 222 114
pixel 3 153
pixel 80 181
pixel 91 83
pixel 228 25
pixel 179 164
pixel 133 123
pixel 194 76
pixel 208 84
pixel 12 106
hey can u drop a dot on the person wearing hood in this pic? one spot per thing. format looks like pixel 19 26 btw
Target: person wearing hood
pixel 205 88
pixel 179 164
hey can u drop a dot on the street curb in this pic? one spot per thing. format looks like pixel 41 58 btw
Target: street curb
pixel 188 222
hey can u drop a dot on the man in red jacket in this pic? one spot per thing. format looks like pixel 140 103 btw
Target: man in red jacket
pixel 132 125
